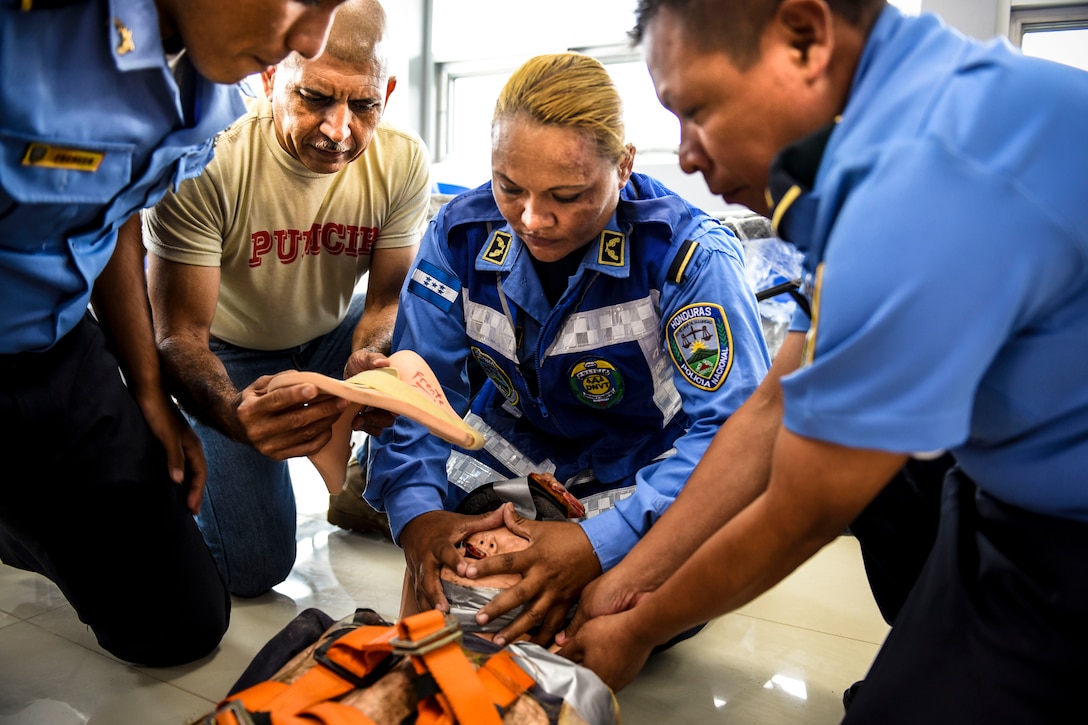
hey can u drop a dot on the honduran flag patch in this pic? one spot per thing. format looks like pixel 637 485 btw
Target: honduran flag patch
pixel 437 286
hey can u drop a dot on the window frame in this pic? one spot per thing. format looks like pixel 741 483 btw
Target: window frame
pixel 446 74
pixel 1041 18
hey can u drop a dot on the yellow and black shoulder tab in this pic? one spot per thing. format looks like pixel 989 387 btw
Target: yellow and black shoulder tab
pixel 680 261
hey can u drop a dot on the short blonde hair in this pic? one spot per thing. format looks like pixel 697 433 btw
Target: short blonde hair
pixel 571 90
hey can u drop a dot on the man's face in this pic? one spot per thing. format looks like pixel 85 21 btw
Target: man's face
pixel 227 41
pixel 326 110
pixel 732 122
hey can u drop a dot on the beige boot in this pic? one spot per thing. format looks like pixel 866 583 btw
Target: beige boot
pixel 348 510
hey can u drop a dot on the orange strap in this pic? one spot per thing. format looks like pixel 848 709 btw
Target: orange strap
pixel 466 695
pixel 336 671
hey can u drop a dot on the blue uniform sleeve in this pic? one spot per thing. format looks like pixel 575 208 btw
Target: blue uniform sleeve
pixel 714 277
pixel 406 476
pixel 896 365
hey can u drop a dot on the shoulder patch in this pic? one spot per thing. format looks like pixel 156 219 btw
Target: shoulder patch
pixel 500 379
pixel 701 344
pixel 612 250
pixel 497 248
pixel 434 285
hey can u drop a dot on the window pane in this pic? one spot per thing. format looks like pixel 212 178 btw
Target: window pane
pixel 472 101
pixel 649 126
pixel 469 29
pixel 1064 46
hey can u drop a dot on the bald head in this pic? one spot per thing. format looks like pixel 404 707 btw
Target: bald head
pixel 358 36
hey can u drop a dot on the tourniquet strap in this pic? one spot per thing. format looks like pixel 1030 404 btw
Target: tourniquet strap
pixel 465 695
pixel 340 666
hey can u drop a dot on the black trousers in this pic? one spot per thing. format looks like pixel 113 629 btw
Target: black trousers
pixel 994 628
pixel 896 531
pixel 86 500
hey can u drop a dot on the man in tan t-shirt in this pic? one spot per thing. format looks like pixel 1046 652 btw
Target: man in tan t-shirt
pixel 254 268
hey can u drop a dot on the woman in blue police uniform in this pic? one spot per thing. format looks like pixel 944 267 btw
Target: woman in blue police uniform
pixel 96 121
pixel 614 326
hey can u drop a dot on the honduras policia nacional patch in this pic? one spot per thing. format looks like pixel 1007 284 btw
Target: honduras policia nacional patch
pixel 494 373
pixel 701 344
pixel 596 382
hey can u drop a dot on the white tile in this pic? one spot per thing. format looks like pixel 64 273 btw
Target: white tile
pixel 785 658
pixel 829 593
pixel 45 676
pixel 24 594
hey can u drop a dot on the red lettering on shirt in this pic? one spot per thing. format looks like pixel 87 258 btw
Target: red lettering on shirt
pixel 311 239
pixel 287 241
pixel 327 241
pixel 329 238
pixel 262 245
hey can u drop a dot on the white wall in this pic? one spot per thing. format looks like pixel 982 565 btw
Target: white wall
pixel 410 104
pixel 983 18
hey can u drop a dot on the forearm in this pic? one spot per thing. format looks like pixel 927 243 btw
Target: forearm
pixel 816 489
pixel 197 378
pixel 733 471
pixel 121 305
pixel 729 570
pixel 375 329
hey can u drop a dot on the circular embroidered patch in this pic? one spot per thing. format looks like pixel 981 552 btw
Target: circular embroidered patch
pixel 596 382
pixel 497 375
pixel 701 344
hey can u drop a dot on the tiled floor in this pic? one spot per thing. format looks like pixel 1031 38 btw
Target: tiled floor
pixel 784 659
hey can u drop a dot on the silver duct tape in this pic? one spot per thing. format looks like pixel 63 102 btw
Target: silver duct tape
pixel 576 684
pixel 517 490
pixel 466 601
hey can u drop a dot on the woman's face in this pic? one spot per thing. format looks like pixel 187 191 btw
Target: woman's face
pixel 552 185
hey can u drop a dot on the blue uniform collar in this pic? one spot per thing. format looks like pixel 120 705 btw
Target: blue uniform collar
pixel 608 255
pixel 796 168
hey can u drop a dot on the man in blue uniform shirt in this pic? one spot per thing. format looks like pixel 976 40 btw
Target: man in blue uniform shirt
pixel 103 106
pixel 613 323
pixel 937 188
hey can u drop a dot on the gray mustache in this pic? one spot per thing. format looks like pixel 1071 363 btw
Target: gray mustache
pixel 336 148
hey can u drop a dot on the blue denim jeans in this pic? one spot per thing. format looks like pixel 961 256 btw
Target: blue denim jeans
pixel 248 514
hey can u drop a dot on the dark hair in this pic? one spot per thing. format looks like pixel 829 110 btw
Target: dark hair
pixel 735 27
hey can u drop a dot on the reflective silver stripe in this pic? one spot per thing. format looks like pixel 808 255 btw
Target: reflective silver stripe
pixel 594 329
pixel 635 321
pixel 469 474
pixel 490 327
pixel 598 503
pixel 666 396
